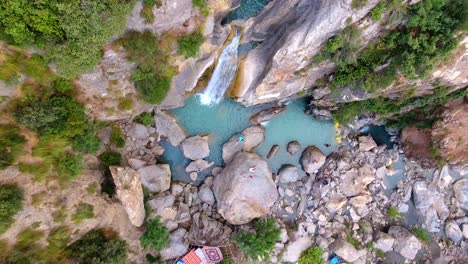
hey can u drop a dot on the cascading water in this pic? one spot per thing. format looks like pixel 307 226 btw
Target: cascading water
pixel 222 75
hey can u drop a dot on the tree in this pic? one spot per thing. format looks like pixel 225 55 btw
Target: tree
pixel 156 235
pixel 259 244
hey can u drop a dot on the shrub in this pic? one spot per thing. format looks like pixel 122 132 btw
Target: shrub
pixel 88 141
pixel 147 10
pixel 125 103
pixel 27 239
pixel 261 243
pixel 189 45
pixel 393 213
pixel 312 255
pixel 202 5
pixel 116 137
pixel 82 212
pixel 11 145
pixel 60 215
pixel 156 235
pixel 110 158
pixel 11 202
pixel 153 88
pixel 95 248
pixel 145 119
pixel 377 12
pixel 63 86
pixel 58 240
pixel 422 235
pixel 69 166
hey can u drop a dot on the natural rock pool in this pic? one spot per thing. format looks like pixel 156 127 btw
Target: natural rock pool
pixel 221 121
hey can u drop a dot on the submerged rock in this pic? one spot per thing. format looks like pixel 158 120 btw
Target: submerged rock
pixel 254 136
pixel 128 189
pixel 196 147
pixel 243 194
pixel 274 149
pixel 312 159
pixel 293 147
pixel 156 178
pixel 167 127
pixel 406 244
pixel 288 174
pixel 266 115
pixel 232 147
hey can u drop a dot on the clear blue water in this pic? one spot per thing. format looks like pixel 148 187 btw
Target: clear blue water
pixel 227 118
pixel 247 9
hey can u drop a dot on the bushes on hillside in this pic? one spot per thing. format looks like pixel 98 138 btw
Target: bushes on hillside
pixel 11 202
pixel 11 145
pixel 312 255
pixel 145 119
pixel 156 235
pixel 96 248
pixel 189 45
pixel 83 211
pixel 259 245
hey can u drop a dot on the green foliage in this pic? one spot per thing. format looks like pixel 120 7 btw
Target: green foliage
pixel 393 213
pixel 259 244
pixel 69 166
pixel 154 260
pixel 422 235
pixel 82 212
pixel 11 145
pixel 342 48
pixel 88 141
pixel 95 248
pixel 144 48
pixel 58 240
pixel 63 86
pixel 147 10
pixel 156 235
pixel 189 45
pixel 27 239
pixel 110 158
pixel 202 5
pixel 313 255
pixel 125 103
pixel 356 4
pixel 352 240
pixel 145 119
pixel 60 215
pixel 377 12
pixel 380 253
pixel 11 202
pixel 116 137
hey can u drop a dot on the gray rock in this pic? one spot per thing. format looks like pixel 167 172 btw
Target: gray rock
pixel 384 241
pixel 130 193
pixel 406 244
pixel 345 250
pixel 167 127
pixel 198 165
pixel 295 248
pixel 465 231
pixel 355 181
pixel 460 189
pixel 266 115
pixel 293 147
pixel 193 175
pixel 274 149
pixel 312 159
pixel 453 231
pixel 206 195
pixel 288 174
pixel 366 143
pixel 196 147
pixel 156 178
pixel 423 197
pixel 254 136
pixel 178 245
pixel 243 195
pixel 138 131
pixel 163 206
pixel 136 163
pixel 232 147
pixel 208 231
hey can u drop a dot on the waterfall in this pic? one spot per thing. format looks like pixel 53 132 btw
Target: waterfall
pixel 222 75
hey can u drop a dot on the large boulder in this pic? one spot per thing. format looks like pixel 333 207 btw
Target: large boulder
pixel 129 192
pixel 345 250
pixel 178 245
pixel 254 136
pixel 206 194
pixel 293 147
pixel 453 231
pixel 406 244
pixel 196 147
pixel 156 178
pixel 460 189
pixel 232 147
pixel 245 190
pixel 167 127
pixel 288 174
pixel 355 181
pixel 366 143
pixel 423 197
pixel 312 159
pixel 384 241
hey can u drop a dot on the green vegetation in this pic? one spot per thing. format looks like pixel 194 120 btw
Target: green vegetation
pixel 125 103
pixel 156 235
pixel 259 245
pixel 154 260
pixel 27 239
pixel 352 240
pixel 202 5
pixel 72 32
pixel 11 202
pixel 145 119
pixel 69 166
pixel 377 12
pixel 189 45
pixel 63 86
pixel 393 213
pixel 116 137
pixel 422 235
pixel 60 215
pixel 154 72
pixel 147 10
pixel 11 145
pixel 356 4
pixel 342 48
pixel 82 212
pixel 110 158
pixel 58 240
pixel 96 248
pixel 312 255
